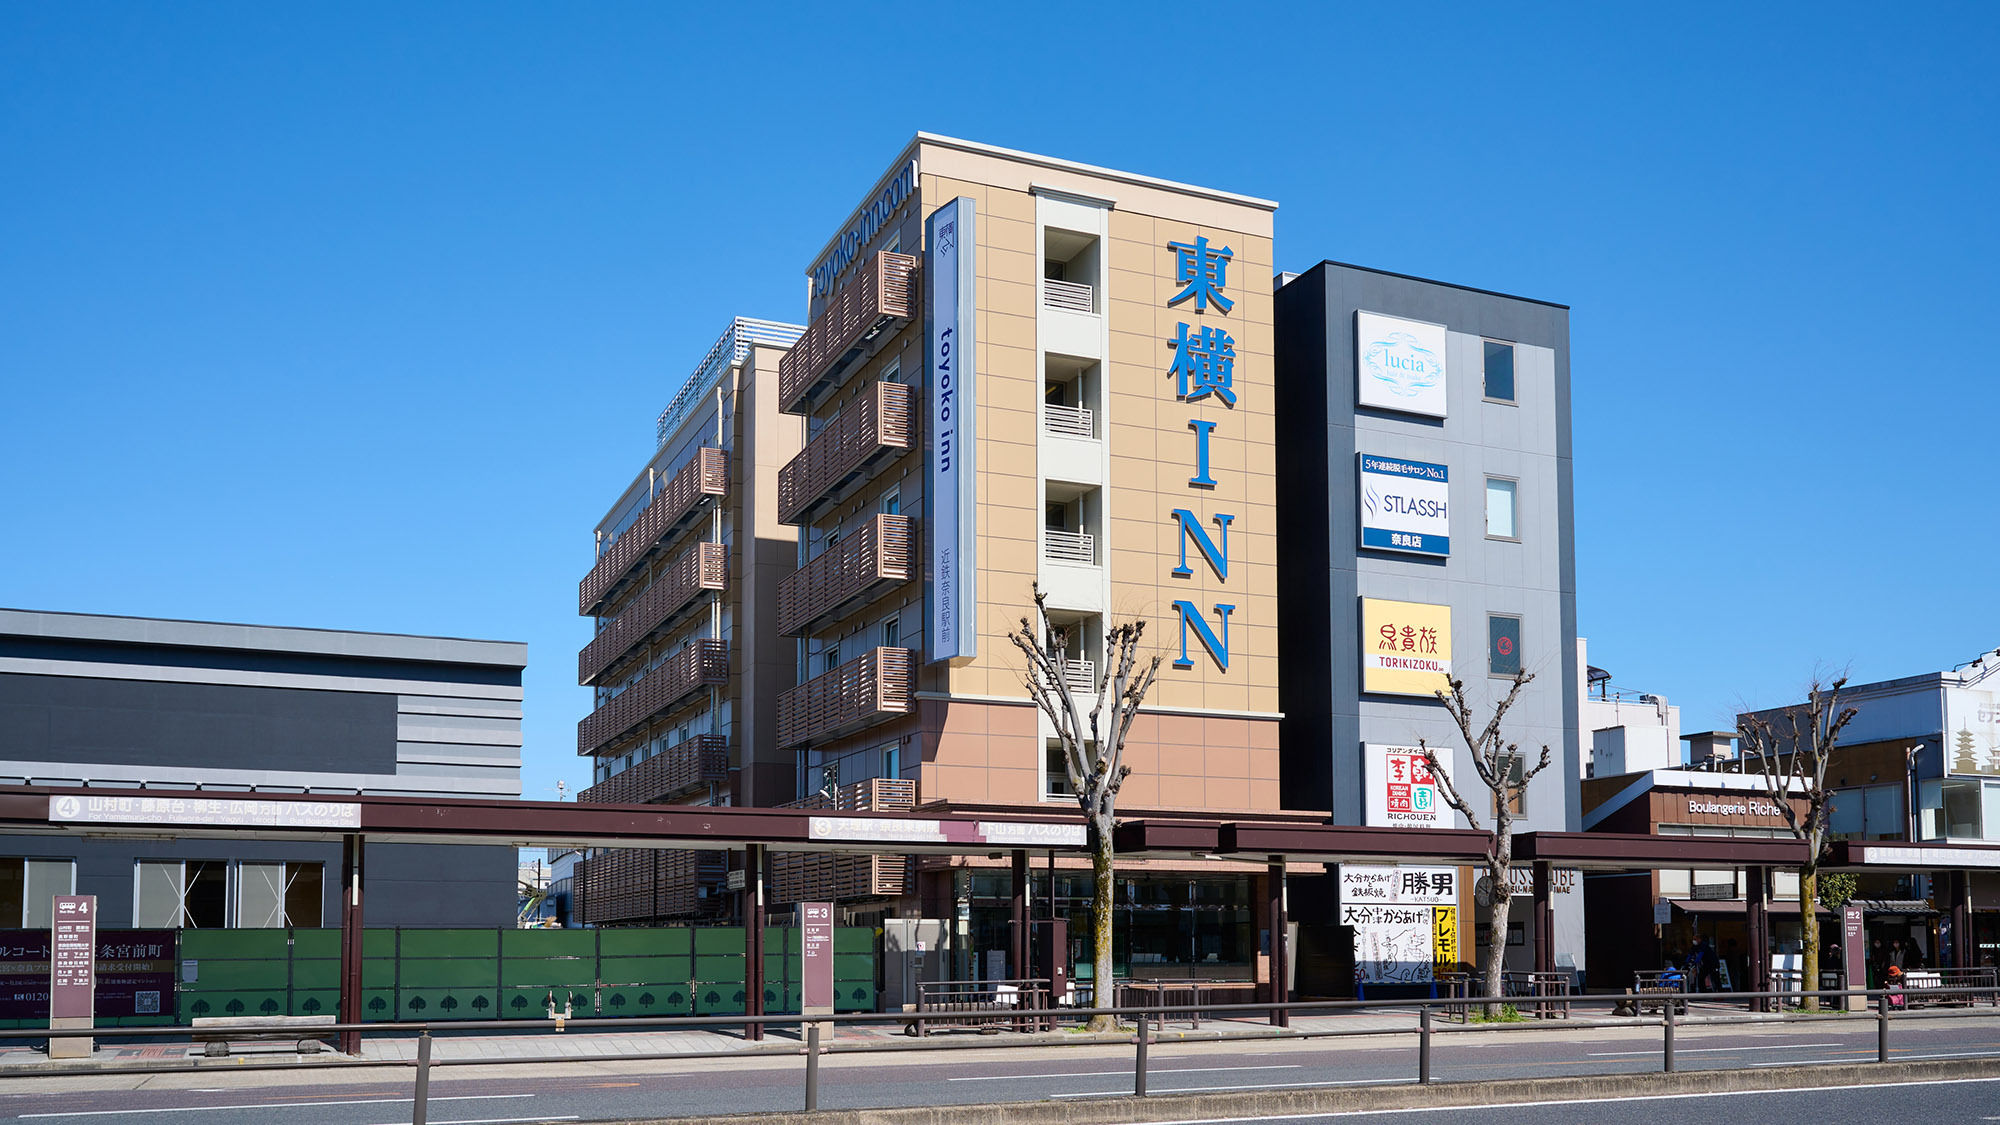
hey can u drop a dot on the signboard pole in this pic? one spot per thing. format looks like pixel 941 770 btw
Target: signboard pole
pixel 73 974
pixel 1854 954
pixel 815 958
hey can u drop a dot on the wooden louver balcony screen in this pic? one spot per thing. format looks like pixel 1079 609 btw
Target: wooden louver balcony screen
pixel 640 884
pixel 876 556
pixel 871 426
pixel 686 766
pixel 704 566
pixel 827 876
pixel 701 664
pixel 705 475
pixel 881 298
pixel 869 689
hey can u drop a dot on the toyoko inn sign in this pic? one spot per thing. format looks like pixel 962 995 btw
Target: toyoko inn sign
pixel 1399 364
pixel 1204 371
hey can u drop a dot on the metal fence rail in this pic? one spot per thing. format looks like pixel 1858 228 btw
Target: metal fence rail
pixel 1147 1019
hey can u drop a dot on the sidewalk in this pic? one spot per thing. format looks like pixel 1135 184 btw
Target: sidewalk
pixel 584 1045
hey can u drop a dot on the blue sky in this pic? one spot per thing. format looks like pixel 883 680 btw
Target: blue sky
pixel 359 317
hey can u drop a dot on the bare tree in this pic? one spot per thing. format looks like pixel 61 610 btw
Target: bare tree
pixel 1093 746
pixel 1792 756
pixel 1506 776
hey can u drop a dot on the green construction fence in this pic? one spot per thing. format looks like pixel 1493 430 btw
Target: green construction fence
pixel 421 974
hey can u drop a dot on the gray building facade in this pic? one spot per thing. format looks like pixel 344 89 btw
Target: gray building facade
pixel 1382 370
pixel 139 703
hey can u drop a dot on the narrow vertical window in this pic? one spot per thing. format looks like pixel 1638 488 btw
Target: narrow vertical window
pixel 1503 644
pixel 1500 521
pixel 1499 372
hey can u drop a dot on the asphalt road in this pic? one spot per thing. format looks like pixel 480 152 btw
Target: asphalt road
pixel 519 1093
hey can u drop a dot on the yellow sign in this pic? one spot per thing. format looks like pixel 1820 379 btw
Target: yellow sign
pixel 1405 647
pixel 1444 939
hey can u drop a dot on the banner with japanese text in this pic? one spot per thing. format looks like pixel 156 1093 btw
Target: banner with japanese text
pixel 134 973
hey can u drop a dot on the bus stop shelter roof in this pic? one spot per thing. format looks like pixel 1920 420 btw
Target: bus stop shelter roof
pixel 208 814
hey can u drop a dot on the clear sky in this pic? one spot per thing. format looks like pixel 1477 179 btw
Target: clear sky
pixel 356 317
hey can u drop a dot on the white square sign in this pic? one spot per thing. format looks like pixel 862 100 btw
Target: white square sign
pixel 1399 364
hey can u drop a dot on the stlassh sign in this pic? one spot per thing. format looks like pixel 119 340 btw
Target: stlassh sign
pixel 949 240
pixel 1405 506
pixel 1405 647
pixel 1399 364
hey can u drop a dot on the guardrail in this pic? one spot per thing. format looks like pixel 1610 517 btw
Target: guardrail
pixel 1147 1021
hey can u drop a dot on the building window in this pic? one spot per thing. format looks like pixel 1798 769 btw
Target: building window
pixel 1055 771
pixel 27 887
pixel 892 762
pixel 1503 645
pixel 829 658
pixel 199 893
pixel 893 373
pixel 1500 522
pixel 275 895
pixel 1499 372
pixel 1512 767
pixel 892 502
pixel 891 634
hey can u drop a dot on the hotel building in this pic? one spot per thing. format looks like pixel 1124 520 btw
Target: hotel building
pixel 1021 372
pixel 686 662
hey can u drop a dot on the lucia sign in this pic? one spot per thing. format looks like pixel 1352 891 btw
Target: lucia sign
pixel 1399 364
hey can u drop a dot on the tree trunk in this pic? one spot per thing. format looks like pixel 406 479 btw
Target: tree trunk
pixel 1496 939
pixel 1809 930
pixel 1103 995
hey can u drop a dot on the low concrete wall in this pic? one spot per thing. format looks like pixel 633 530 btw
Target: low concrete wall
pixel 1351 1099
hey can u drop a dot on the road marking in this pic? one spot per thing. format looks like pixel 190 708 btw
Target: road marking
pixel 273 1105
pixel 495 1120
pixel 1894 1056
pixel 1561 1101
pixel 1711 1050
pixel 1211 1089
pixel 1118 1073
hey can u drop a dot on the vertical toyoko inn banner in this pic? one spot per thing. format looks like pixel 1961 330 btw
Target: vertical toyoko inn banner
pixel 1405 647
pixel 1399 364
pixel 949 240
pixel 1405 506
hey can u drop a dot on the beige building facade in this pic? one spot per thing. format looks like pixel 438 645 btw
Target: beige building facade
pixel 1089 482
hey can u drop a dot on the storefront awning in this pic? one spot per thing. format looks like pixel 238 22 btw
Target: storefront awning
pixel 1735 906
pixel 1892 905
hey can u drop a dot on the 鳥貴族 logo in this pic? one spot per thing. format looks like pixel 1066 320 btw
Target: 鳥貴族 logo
pixel 1403 364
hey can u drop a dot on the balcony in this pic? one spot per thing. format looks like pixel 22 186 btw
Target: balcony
pixel 676 504
pixel 1068 421
pixel 1067 295
pixel 701 664
pixel 827 877
pixel 869 689
pixel 641 884
pixel 855 323
pixel 1081 674
pixel 875 425
pixel 704 566
pixel 676 771
pixel 853 572
pixel 1069 546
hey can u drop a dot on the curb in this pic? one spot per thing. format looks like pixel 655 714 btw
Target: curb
pixel 1367 1099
